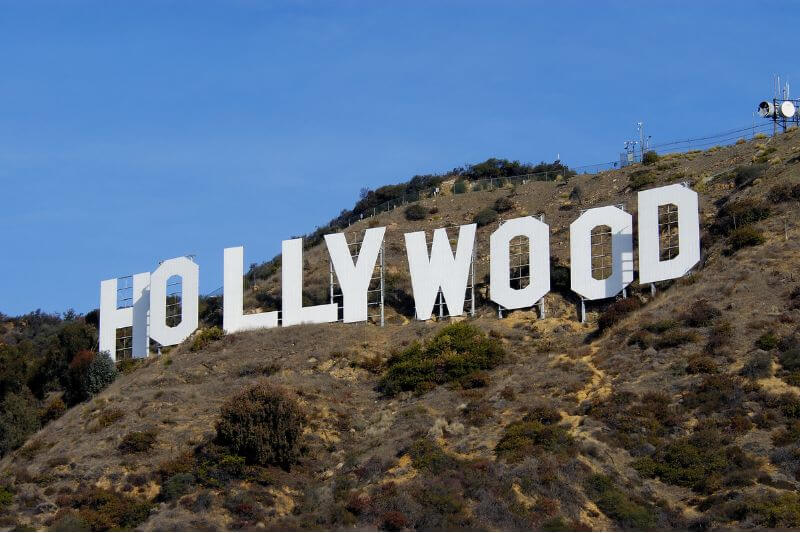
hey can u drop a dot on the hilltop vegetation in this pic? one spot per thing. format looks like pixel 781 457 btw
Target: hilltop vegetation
pixel 678 410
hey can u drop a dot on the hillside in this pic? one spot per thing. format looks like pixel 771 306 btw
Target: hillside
pixel 682 412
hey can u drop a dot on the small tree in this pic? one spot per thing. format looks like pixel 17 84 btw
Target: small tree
pixel 649 157
pixel 88 374
pixel 416 212
pixel 262 424
pixel 19 418
pixel 485 217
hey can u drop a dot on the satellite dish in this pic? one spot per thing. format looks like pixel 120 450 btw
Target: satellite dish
pixel 766 109
pixel 787 109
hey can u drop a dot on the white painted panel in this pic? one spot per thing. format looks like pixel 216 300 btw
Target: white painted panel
pixel 189 273
pixel 233 317
pixel 538 234
pixel 354 278
pixel 580 245
pixel 135 317
pixel 651 268
pixel 292 289
pixel 440 269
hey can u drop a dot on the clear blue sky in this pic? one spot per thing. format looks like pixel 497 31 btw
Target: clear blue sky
pixel 136 131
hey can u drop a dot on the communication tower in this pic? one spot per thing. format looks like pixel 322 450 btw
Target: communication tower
pixel 782 109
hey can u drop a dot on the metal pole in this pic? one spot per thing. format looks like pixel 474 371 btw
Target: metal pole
pixel 472 283
pixel 583 310
pixel 441 304
pixel 382 285
pixel 652 289
pixel 330 265
pixel 541 307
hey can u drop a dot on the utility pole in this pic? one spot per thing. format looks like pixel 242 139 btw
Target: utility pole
pixel 641 138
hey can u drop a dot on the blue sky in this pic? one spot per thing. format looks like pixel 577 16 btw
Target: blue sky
pixel 137 131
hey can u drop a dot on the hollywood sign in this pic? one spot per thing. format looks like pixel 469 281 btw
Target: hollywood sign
pixel 439 270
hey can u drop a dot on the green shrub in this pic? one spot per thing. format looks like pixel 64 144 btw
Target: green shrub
pixel 532 435
pixel 767 341
pixel 783 192
pixel 19 418
pixel 649 157
pixel 674 338
pixel 428 456
pixel 715 393
pixel 699 462
pixel 6 497
pixel 456 351
pixel 617 311
pixel 778 511
pixel 758 366
pixel 103 510
pixel 744 238
pixel 620 505
pixel 640 179
pixel 137 442
pixel 176 486
pixel 485 217
pixel 126 366
pixel 701 364
pixel 262 424
pixel 88 374
pixel 503 204
pixel 790 359
pixel 745 175
pixel 415 212
pixel 700 314
pixel 205 337
pixel 54 409
pixel 738 214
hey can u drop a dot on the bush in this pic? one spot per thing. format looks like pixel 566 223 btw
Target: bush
pixel 674 338
pixel 738 214
pixel 790 359
pixel 415 212
pixel 19 418
pixel 620 505
pixel 745 237
pixel 745 175
pixel 262 424
pixel 784 192
pixel 640 179
pixel 485 217
pixel 503 204
pixel 700 314
pixel 54 409
pixel 701 364
pixel 649 157
pixel 758 366
pixel 103 510
pixel 699 462
pixel 767 341
pixel 205 337
pixel 6 497
pixel 532 435
pixel 456 351
pixel 137 442
pixel 617 311
pixel 88 374
pixel 176 486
